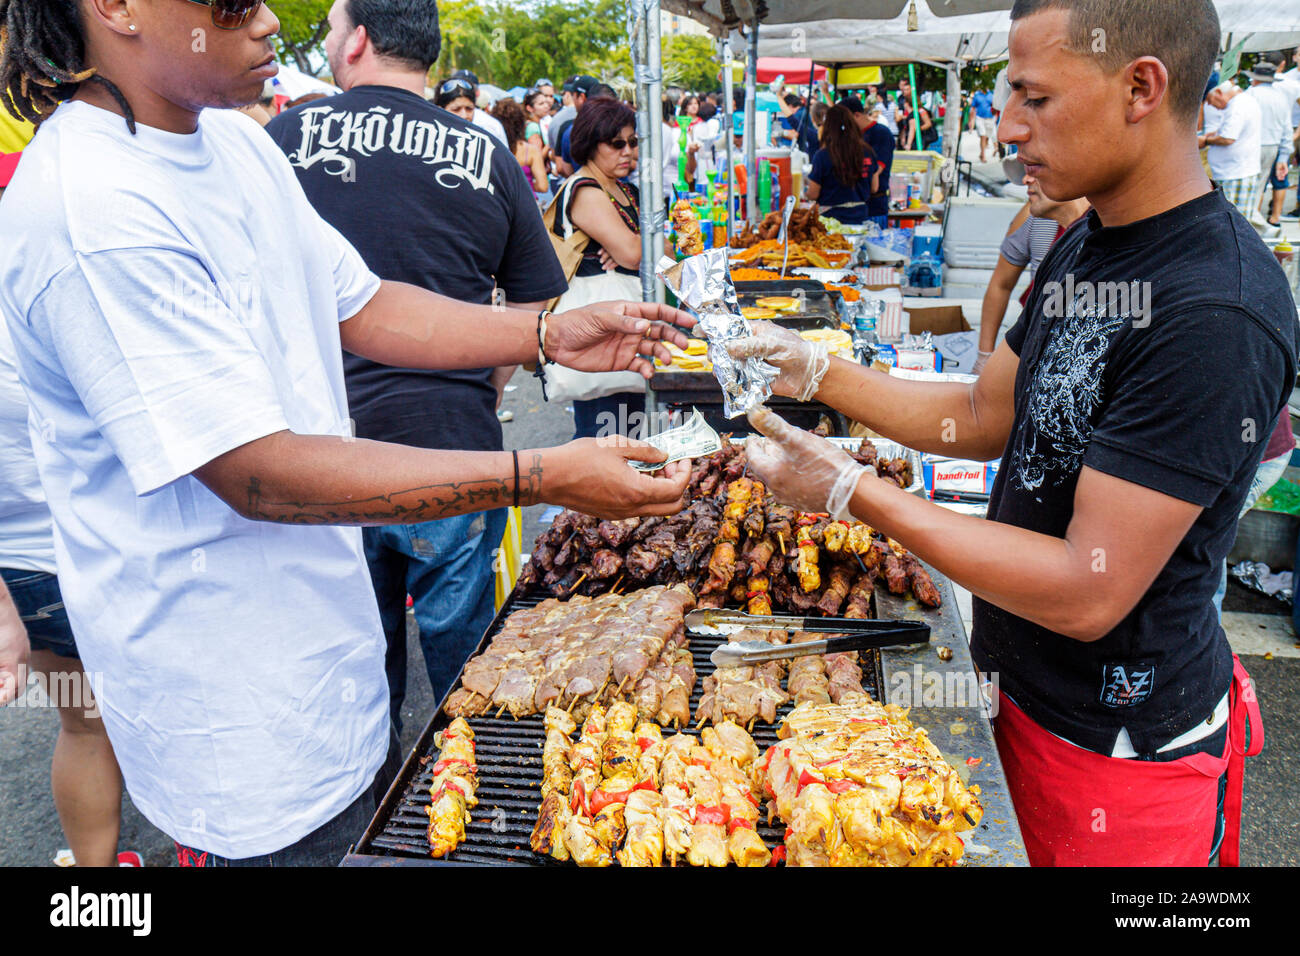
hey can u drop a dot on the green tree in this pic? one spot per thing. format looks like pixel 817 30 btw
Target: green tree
pixel 693 60
pixel 302 28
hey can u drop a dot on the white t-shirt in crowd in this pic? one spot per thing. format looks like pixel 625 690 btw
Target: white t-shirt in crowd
pixel 1289 84
pixel 26 529
pixel 172 297
pixel 1213 118
pixel 490 123
pixel 1275 116
pixel 1241 124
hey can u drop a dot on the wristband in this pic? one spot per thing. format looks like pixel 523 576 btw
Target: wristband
pixel 515 455
pixel 542 359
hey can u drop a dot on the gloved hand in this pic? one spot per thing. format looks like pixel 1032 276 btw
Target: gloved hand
pixel 802 469
pixel 802 364
pixel 980 362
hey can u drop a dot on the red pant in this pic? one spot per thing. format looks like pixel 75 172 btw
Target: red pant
pixel 1079 808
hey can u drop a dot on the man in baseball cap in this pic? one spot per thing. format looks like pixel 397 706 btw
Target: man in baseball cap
pixel 481 119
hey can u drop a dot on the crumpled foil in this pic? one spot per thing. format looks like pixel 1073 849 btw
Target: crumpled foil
pixel 1257 576
pixel 703 283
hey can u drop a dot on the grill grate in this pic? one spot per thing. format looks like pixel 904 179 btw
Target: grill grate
pixel 508 754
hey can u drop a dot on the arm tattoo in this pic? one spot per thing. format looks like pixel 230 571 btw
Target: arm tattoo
pixel 409 506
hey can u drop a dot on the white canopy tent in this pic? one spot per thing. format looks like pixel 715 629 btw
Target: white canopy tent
pixel 935 37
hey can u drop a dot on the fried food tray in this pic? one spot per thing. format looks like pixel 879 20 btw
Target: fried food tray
pixel 508 754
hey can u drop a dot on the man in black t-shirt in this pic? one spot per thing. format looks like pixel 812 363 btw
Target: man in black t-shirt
pixel 1130 407
pixel 432 200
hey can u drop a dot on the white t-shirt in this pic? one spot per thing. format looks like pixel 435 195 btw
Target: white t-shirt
pixel 172 297
pixel 1275 116
pixel 1289 84
pixel 1241 124
pixel 490 123
pixel 26 530
pixel 1213 118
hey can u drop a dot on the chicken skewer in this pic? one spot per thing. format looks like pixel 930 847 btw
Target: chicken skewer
pixel 455 778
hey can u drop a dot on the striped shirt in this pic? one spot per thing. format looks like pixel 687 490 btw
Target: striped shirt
pixel 1028 244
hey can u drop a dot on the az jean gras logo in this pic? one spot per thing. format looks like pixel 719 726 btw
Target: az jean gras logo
pixel 1126 685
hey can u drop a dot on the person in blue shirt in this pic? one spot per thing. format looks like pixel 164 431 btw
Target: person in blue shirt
pixel 983 120
pixel 880 144
pixel 845 170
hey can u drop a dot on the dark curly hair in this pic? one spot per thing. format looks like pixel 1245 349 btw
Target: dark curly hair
pixel 512 118
pixel 599 121
pixel 43 59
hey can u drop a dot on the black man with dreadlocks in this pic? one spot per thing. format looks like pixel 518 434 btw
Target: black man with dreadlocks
pixel 178 311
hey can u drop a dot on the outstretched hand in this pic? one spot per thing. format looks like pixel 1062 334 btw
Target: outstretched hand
pixel 800 468
pixel 616 336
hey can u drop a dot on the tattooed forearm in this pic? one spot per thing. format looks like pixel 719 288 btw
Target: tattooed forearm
pixel 412 505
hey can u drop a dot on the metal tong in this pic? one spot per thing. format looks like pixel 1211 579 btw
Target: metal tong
pixel 785 230
pixel 858 634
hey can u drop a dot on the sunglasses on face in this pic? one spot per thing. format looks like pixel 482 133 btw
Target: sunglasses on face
pixel 231 14
pixel 618 144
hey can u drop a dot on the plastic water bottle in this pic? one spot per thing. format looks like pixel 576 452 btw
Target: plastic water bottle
pixel 867 311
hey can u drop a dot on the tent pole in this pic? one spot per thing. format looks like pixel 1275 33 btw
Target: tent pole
pixel 952 120
pixel 648 69
pixel 729 132
pixel 916 104
pixel 751 119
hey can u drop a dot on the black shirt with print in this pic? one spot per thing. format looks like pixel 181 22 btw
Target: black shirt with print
pixel 1176 392
pixel 432 200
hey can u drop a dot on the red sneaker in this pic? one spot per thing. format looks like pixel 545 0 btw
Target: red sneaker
pixel 130 858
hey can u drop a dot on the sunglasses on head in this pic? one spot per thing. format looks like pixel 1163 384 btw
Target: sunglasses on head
pixel 231 14
pixel 618 144
pixel 451 86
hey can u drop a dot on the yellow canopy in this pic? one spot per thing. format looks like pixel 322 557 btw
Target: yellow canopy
pixel 857 76
pixel 14 134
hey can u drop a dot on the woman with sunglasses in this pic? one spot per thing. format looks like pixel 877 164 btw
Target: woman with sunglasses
pixel 456 95
pixel 597 201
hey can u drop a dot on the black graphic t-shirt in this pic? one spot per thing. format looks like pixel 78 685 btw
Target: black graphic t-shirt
pixel 1159 352
pixel 432 200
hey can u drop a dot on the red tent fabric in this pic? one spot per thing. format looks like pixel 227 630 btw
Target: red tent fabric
pixel 8 163
pixel 793 68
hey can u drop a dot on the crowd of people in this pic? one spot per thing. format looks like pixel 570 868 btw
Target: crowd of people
pixel 250 381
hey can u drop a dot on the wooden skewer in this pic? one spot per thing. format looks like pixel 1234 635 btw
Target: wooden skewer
pixel 614 589
pixel 577 584
pixel 501 711
pixel 569 709
pixel 750 726
pixel 780 537
pixel 619 690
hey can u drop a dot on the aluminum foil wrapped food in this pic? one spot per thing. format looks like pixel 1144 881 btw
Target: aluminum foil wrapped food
pixel 703 283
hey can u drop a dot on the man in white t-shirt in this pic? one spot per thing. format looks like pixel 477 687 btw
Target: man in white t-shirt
pixel 1275 141
pixel 1234 148
pixel 178 311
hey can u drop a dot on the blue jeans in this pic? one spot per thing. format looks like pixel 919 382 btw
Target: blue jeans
pixel 40 605
pixel 447 568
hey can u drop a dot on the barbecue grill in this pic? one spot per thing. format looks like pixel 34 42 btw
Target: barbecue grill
pixel 508 754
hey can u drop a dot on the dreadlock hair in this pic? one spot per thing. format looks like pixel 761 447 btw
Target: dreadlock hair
pixel 42 59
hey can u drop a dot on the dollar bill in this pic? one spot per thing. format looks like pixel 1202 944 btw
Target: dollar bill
pixel 694 439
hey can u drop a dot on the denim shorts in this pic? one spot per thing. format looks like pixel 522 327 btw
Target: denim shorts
pixel 40 604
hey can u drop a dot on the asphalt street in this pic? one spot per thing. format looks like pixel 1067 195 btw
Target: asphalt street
pixel 29 827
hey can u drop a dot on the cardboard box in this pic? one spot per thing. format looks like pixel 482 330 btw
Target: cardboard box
pixel 939 319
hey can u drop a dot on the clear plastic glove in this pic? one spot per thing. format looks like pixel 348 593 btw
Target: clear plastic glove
pixel 980 361
pixel 802 469
pixel 802 364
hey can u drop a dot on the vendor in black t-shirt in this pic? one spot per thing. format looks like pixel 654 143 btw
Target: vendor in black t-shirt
pixel 429 199
pixel 1130 407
